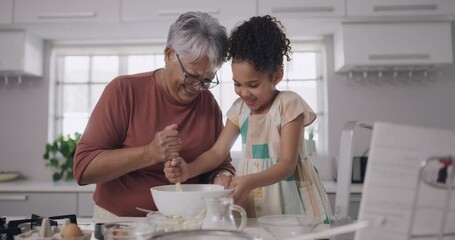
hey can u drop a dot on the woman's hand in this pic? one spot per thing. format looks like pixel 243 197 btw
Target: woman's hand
pixel 241 190
pixel 165 145
pixel 176 170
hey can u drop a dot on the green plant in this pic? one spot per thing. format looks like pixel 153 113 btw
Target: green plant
pixel 60 154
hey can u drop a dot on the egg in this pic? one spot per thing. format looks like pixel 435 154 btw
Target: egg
pixel 71 231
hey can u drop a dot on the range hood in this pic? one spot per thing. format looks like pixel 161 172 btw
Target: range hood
pixel 21 54
pixel 407 46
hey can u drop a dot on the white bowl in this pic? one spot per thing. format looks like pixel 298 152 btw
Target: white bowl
pixel 188 202
pixel 286 226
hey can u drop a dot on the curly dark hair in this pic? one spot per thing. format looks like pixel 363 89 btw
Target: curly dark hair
pixel 260 41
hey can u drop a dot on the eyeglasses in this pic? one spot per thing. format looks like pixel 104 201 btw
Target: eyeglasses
pixel 195 81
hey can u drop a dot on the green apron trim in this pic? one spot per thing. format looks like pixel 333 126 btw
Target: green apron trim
pixel 244 131
pixel 260 151
pixel 290 178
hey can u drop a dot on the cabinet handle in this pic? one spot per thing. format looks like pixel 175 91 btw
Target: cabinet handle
pixel 391 8
pixel 68 15
pixel 303 9
pixel 415 56
pixel 13 197
pixel 180 12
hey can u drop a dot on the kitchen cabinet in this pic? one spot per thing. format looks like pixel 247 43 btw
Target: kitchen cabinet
pixel 57 11
pixel 21 54
pixel 169 10
pixel 302 8
pixel 392 46
pixel 46 204
pixel 399 7
pixel 43 204
pixel 6 12
pixel 23 198
pixel 85 204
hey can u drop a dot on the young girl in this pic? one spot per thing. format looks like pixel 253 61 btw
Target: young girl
pixel 274 174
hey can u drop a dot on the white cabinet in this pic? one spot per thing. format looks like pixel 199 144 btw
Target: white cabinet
pixel 400 7
pixel 42 11
pixel 302 8
pixel 46 203
pixel 6 12
pixel 85 204
pixel 21 53
pixel 43 204
pixel 381 46
pixel 22 198
pixel 169 10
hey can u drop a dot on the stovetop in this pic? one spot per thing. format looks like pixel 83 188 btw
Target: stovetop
pixel 9 229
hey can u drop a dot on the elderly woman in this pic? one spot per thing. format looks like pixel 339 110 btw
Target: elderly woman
pixel 144 120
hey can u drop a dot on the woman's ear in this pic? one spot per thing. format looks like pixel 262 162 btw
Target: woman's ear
pixel 168 52
pixel 278 76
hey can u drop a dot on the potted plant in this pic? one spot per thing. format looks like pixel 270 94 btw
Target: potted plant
pixel 59 156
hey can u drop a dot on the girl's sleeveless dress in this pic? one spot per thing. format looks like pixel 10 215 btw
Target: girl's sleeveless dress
pixel 300 193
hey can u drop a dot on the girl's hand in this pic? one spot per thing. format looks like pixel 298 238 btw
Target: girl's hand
pixel 176 170
pixel 241 190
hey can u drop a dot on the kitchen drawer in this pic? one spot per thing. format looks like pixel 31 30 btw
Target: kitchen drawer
pixel 85 204
pixel 43 204
pixel 369 8
pixel 302 8
pixel 45 11
pixel 6 11
pixel 169 10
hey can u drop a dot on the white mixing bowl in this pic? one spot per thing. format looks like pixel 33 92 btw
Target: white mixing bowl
pixel 188 202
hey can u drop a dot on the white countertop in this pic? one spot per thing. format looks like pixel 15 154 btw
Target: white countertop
pixel 62 186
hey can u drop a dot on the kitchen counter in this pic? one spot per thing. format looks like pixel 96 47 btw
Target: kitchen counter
pixel 251 228
pixel 62 186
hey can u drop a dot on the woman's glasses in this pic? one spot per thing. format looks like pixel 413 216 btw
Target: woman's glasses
pixel 195 81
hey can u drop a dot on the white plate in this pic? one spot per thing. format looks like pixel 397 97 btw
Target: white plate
pixel 8 176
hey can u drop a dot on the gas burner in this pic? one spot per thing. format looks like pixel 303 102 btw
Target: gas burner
pixel 15 227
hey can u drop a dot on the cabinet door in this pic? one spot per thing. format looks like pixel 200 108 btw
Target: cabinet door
pixel 85 204
pixel 40 11
pixel 6 11
pixel 302 8
pixel 43 204
pixel 169 10
pixel 400 7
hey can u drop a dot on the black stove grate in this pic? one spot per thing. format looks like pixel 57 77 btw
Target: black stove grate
pixel 15 227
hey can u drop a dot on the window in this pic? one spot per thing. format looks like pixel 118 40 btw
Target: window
pixel 81 74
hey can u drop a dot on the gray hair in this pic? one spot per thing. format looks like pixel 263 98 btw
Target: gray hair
pixel 196 35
